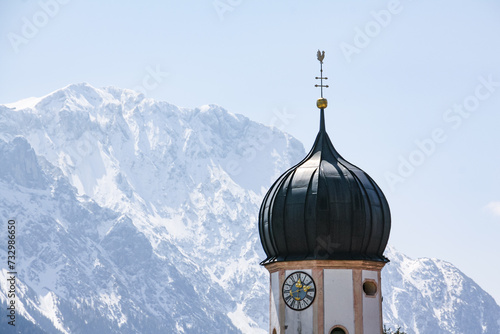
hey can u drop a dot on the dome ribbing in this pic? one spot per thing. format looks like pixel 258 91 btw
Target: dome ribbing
pixel 324 208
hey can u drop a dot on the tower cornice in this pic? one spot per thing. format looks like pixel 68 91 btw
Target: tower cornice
pixel 325 264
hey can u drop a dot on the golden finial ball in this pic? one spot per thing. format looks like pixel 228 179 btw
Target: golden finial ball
pixel 322 103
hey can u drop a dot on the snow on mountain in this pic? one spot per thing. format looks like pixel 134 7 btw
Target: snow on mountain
pixel 136 216
pixel 84 268
pixel 432 296
pixel 161 219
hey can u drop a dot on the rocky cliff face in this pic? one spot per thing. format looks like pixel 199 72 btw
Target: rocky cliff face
pixel 433 296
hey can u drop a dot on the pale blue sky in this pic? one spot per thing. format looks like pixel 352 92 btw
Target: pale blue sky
pixel 257 58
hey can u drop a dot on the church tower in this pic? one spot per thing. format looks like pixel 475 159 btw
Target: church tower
pixel 324 226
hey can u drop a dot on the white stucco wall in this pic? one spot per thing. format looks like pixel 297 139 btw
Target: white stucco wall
pixel 275 300
pixel 371 305
pixel 338 299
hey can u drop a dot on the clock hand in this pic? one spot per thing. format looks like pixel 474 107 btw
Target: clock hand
pixel 295 292
pixel 298 292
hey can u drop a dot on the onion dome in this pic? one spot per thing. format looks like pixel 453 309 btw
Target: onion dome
pixel 324 208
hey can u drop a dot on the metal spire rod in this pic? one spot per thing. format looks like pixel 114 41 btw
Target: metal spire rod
pixel 321 56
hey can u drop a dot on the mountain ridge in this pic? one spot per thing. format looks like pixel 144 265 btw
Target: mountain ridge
pixel 134 192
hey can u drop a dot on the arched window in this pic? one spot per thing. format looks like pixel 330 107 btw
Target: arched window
pixel 274 331
pixel 338 330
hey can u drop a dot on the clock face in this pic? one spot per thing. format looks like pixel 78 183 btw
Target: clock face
pixel 299 291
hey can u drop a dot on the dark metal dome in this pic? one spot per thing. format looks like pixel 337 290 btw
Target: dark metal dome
pixel 324 208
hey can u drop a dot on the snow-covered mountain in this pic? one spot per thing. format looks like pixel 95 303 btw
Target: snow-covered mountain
pixel 433 296
pixel 136 216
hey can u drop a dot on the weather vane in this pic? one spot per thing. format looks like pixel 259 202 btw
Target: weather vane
pixel 322 102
